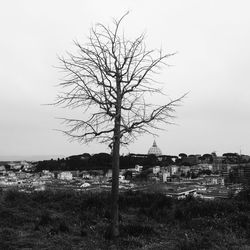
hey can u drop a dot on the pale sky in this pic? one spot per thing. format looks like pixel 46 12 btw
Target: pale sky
pixel 212 41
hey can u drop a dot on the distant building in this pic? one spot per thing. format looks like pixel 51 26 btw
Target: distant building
pixel 174 169
pixel 11 174
pixel 243 171
pixel 181 193
pixel 154 150
pixel 75 173
pixel 166 175
pixel 214 194
pixel 156 169
pixel 184 169
pixel 205 166
pixel 85 174
pixel 46 174
pixel 15 166
pixel 121 177
pixel 138 168
pixel 65 175
pixel 109 173
pixel 226 168
pixel 2 170
pixel 153 177
pixel 214 180
pixel 84 185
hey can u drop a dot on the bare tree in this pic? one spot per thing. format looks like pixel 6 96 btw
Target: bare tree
pixel 111 77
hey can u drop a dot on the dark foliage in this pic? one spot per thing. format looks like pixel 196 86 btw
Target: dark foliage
pixel 53 220
pixel 244 195
pixel 136 230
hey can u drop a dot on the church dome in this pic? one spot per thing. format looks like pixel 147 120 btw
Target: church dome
pixel 154 150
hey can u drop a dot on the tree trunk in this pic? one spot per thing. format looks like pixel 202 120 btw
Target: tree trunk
pixel 116 168
pixel 115 189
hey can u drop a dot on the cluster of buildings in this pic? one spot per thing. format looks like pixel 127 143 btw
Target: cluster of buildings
pixel 219 168
pixel 205 179
pixel 21 176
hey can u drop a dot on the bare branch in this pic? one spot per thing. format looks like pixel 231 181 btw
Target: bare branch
pixel 109 78
pixel 113 74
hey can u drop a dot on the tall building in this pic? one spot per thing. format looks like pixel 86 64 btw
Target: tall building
pixel 154 150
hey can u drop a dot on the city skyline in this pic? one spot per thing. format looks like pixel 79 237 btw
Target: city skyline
pixel 211 64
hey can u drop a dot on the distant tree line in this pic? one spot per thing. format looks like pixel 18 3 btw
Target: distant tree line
pixel 103 161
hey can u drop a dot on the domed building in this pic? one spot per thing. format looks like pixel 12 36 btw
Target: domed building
pixel 154 150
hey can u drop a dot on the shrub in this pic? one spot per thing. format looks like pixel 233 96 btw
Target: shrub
pixel 12 217
pixel 201 208
pixel 240 221
pixel 244 195
pixel 13 197
pixel 55 223
pixel 136 230
pixel 63 227
pixel 194 241
pixel 144 200
pixel 7 237
pixel 44 220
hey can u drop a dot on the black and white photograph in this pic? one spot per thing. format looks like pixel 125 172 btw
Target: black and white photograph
pixel 125 125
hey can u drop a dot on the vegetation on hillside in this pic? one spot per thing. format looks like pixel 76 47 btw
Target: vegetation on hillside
pixel 71 220
pixel 103 161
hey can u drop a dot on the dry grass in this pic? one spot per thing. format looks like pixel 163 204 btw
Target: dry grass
pixel 70 220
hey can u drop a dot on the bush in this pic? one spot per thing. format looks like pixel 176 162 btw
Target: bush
pixel 195 241
pixel 55 223
pixel 13 197
pixel 7 237
pixel 136 230
pixel 200 208
pixel 244 195
pixel 69 216
pixel 45 218
pixel 12 217
pixel 144 200
pixel 239 221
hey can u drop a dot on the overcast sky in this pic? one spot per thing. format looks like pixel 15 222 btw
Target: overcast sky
pixel 212 41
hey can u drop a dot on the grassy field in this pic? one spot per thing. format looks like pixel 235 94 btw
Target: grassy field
pixel 71 220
